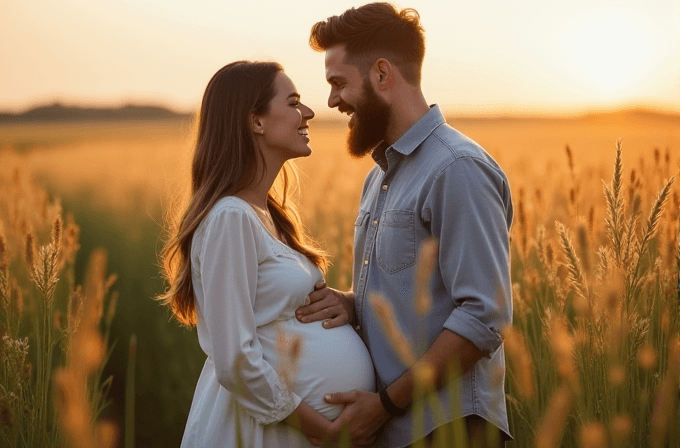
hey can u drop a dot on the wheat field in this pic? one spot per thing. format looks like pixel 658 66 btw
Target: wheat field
pixel 593 354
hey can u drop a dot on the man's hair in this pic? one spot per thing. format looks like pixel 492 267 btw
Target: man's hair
pixel 373 31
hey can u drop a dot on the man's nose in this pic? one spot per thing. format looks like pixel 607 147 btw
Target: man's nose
pixel 333 99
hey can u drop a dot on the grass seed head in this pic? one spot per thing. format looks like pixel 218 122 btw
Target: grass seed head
pixel 427 260
pixel 552 426
pixel 289 349
pixel 4 253
pixel 593 435
pixel 57 233
pixel 29 252
pixel 621 429
pixel 647 357
pixel 425 375
pixel 562 343
pixel 522 364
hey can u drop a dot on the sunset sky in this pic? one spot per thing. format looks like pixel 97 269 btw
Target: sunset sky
pixel 483 56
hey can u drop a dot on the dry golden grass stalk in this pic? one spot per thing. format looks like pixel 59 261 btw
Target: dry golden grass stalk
pixel 583 245
pixel 576 275
pixel 519 356
pixel 289 349
pixel 562 343
pixel 395 336
pixel 647 357
pixel 4 256
pixel 45 271
pixel 652 223
pixel 665 406
pixel 424 376
pixel 614 222
pixel 86 352
pixel 593 435
pixel 621 429
pixel 30 253
pixel 427 260
pixel 554 420
pixel 522 221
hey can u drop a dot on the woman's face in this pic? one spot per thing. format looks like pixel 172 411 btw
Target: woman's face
pixel 283 131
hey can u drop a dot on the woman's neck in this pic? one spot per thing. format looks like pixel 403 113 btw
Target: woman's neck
pixel 256 194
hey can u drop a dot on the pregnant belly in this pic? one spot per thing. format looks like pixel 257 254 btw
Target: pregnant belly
pixel 334 360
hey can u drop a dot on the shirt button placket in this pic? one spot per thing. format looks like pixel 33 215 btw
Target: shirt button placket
pixel 370 241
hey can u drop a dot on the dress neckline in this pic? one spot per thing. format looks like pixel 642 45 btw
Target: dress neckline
pixel 267 231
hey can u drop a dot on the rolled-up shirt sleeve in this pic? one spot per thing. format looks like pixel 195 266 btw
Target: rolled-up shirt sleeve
pixel 228 270
pixel 470 210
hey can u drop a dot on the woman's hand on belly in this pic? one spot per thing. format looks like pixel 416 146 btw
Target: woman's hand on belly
pixel 334 307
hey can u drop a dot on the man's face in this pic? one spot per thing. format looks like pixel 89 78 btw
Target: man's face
pixel 354 95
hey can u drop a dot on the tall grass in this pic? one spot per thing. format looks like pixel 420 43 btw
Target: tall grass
pixel 599 322
pixel 591 355
pixel 52 350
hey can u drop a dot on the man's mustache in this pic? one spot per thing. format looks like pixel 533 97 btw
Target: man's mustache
pixel 344 108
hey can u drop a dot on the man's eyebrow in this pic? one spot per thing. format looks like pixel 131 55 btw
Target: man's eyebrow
pixel 335 79
pixel 293 95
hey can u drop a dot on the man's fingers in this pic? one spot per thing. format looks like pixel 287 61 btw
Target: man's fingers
pixel 319 294
pixel 336 321
pixel 340 398
pixel 320 285
pixel 322 314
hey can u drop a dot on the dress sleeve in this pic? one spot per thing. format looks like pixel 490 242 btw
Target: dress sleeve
pixel 471 212
pixel 229 269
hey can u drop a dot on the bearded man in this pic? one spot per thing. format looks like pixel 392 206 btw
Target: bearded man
pixel 430 182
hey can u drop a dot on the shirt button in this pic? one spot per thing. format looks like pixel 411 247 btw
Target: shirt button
pixel 375 222
pixel 384 187
pixel 365 262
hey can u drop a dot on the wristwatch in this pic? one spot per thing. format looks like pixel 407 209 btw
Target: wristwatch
pixel 389 406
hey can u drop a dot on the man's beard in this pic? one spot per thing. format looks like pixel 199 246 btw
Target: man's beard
pixel 370 120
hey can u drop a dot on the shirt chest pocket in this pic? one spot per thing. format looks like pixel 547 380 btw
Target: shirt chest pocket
pixel 396 241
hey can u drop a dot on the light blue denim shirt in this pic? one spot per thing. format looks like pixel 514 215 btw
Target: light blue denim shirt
pixel 436 182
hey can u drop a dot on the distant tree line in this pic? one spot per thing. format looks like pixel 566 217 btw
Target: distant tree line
pixel 60 112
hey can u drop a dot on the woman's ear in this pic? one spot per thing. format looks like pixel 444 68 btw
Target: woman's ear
pixel 256 124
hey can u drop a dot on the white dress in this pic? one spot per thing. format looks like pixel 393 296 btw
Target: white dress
pixel 247 286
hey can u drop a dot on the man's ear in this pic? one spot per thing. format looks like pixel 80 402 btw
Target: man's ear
pixel 384 74
pixel 256 124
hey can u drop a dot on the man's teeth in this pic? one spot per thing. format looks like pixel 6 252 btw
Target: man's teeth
pixel 303 131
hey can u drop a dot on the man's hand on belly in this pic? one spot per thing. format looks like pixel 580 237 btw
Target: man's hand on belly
pixel 334 307
pixel 363 413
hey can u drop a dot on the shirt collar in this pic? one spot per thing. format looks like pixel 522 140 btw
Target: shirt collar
pixel 416 134
pixel 422 129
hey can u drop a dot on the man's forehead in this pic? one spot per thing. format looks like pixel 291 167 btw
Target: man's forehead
pixel 335 56
pixel 335 62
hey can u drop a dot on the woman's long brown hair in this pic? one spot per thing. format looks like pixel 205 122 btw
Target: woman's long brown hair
pixel 226 160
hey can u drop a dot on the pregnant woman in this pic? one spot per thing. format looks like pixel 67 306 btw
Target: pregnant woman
pixel 239 263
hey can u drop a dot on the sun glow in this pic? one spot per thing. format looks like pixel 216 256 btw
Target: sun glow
pixel 610 54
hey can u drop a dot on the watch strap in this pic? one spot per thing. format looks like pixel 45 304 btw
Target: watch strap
pixel 389 405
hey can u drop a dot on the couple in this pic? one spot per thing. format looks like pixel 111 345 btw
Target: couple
pixel 283 366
